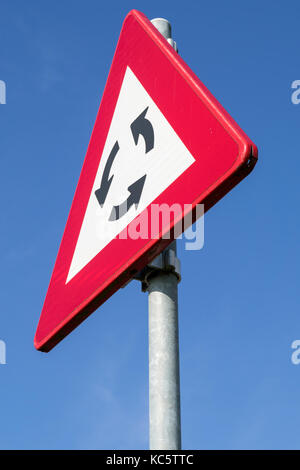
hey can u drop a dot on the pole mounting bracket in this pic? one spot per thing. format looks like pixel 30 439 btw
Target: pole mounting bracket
pixel 166 262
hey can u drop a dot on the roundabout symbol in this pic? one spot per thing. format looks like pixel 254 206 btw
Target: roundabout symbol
pixel 140 126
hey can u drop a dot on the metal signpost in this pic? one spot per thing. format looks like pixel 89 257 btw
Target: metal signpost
pixel 164 378
pixel 160 139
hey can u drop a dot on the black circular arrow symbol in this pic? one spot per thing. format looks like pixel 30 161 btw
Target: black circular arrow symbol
pixel 140 126
pixel 143 126
pixel 135 190
pixel 102 192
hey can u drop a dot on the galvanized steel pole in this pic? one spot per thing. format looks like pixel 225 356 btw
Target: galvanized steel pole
pixel 164 384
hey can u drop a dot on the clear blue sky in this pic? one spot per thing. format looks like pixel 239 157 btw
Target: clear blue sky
pixel 239 297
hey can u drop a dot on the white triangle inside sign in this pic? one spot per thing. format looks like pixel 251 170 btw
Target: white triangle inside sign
pixel 143 153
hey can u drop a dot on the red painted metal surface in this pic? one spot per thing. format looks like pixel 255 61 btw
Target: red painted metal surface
pixel 223 156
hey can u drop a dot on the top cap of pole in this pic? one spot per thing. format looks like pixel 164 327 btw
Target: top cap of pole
pixel 163 26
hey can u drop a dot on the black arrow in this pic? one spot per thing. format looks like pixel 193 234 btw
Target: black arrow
pixel 143 126
pixel 101 193
pixel 135 190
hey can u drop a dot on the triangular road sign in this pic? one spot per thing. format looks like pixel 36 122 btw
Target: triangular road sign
pixel 159 138
pixel 134 109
